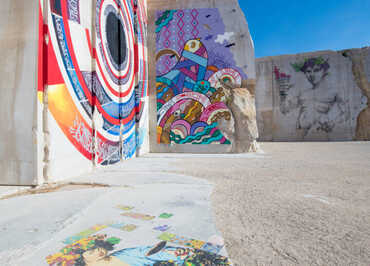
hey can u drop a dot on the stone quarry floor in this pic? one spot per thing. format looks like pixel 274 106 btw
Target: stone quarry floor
pixel 293 204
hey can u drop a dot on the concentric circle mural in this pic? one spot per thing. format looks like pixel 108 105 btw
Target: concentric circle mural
pixel 116 41
pixel 94 58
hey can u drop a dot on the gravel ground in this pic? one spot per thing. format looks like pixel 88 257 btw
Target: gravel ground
pixel 295 204
pixel 298 204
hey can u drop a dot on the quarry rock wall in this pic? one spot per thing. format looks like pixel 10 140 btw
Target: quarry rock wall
pixel 319 96
pixel 75 92
pixel 361 71
pixel 20 124
pixel 201 77
pixel 89 83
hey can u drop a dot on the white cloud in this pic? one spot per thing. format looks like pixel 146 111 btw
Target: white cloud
pixel 221 38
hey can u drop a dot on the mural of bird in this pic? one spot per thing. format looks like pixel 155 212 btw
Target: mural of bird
pixel 190 68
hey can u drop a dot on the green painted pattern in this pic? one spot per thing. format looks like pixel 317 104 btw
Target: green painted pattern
pixel 216 136
pixel 163 20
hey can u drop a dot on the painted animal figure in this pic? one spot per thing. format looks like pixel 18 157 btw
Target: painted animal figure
pixel 190 68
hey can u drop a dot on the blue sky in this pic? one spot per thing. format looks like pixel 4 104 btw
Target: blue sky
pixel 294 26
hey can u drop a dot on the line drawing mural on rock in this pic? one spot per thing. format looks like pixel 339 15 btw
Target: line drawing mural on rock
pixel 193 55
pixel 320 106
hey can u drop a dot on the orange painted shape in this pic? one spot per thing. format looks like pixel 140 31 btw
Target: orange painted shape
pixel 159 134
pixel 65 112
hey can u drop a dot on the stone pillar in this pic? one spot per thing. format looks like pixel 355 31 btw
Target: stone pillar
pixel 20 149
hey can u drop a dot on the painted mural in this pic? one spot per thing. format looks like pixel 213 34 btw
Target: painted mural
pixel 318 107
pixel 101 250
pixel 92 61
pixel 104 244
pixel 193 61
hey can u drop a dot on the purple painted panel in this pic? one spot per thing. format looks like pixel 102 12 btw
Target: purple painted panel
pixel 193 53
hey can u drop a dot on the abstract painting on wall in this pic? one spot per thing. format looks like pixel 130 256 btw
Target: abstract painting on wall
pixel 193 62
pixel 92 60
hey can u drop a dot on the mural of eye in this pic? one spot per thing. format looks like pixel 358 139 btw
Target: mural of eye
pixel 192 46
pixel 177 113
pixel 116 39
pixel 115 45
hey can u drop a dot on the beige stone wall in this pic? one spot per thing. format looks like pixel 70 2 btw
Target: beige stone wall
pixel 19 130
pixel 361 71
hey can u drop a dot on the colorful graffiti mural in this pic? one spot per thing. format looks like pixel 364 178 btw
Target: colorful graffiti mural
pixel 104 244
pixel 94 69
pixel 320 107
pixel 100 250
pixel 193 61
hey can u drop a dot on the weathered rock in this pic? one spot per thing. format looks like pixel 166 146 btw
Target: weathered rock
pixel 361 72
pixel 243 108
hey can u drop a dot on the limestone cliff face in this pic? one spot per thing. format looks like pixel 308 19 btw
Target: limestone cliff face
pixel 242 130
pixel 243 108
pixel 361 71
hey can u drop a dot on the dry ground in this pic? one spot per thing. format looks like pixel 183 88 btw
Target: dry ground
pixel 302 204
pixel 297 204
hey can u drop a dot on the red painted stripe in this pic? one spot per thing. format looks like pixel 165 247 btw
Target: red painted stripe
pixel 106 82
pixel 136 58
pixel 41 63
pixel 78 71
pixel 132 36
pixel 89 43
pixel 130 117
pixel 113 91
pixel 104 54
pixel 111 120
pixel 143 51
pixel 72 53
pixel 53 73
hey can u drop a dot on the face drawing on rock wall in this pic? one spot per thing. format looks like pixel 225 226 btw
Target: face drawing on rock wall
pixel 315 69
pixel 193 55
pixel 320 107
